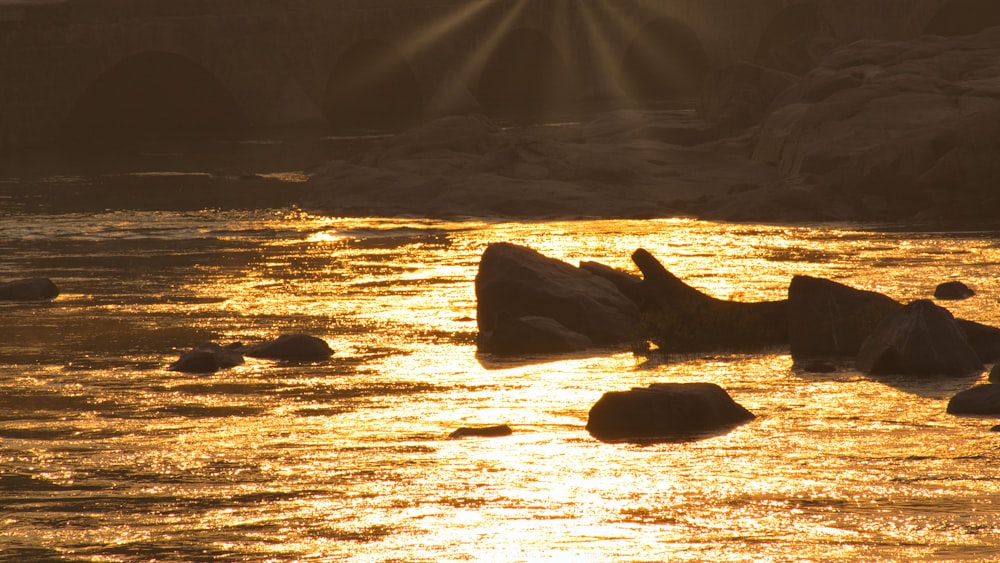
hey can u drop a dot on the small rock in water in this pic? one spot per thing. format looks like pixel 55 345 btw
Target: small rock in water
pixel 484 432
pixel 208 358
pixel 32 289
pixel 953 291
pixel 293 348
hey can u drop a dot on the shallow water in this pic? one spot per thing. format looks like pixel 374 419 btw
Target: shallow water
pixel 105 456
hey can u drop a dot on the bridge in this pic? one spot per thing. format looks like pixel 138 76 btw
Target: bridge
pixel 79 69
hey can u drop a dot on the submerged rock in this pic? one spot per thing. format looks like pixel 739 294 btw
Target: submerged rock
pixel 982 400
pixel 498 431
pixel 208 358
pixel 292 348
pixel 921 339
pixel 515 282
pixel 30 289
pixel 666 411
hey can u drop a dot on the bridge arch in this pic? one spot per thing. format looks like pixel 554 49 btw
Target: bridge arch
pixel 372 86
pixel 665 60
pixel 796 39
pixel 153 95
pixel 964 17
pixel 525 76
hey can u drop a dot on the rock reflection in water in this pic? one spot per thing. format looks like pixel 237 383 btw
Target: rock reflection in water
pixel 107 456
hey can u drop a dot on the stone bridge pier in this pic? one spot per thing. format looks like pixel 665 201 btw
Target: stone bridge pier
pixel 76 70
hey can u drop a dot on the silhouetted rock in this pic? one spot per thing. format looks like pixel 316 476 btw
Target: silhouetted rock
pixel 995 374
pixel 985 340
pixel 896 129
pixel 292 348
pixel 208 358
pixel 680 318
pixel 829 319
pixel 953 291
pixel 483 432
pixel 532 335
pixel 31 289
pixel 630 285
pixel 518 282
pixel 981 400
pixel 921 339
pixel 668 411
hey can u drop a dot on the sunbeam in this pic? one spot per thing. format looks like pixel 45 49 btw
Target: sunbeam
pixel 605 83
pixel 424 36
pixel 469 69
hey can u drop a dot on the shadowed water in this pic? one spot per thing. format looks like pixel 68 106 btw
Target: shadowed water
pixel 105 456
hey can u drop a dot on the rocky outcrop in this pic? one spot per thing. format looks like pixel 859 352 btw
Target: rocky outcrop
pixel 532 335
pixel 515 282
pixel 208 358
pixel 953 291
pixel 679 318
pixel 830 319
pixel 982 400
pixel 921 339
pixel 30 289
pixel 291 348
pixel 895 129
pixel 665 411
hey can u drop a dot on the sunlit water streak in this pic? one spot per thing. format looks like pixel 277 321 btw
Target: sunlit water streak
pixel 105 456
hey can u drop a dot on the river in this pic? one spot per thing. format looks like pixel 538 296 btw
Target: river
pixel 105 456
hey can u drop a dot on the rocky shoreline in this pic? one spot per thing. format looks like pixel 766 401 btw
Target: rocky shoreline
pixel 879 131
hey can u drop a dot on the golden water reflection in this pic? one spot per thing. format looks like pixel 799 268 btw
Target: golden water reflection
pixel 107 457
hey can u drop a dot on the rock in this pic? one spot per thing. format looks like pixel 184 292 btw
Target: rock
pixel 995 428
pixel 921 339
pixel 985 340
pixel 532 335
pixel 669 411
pixel 898 129
pixel 682 319
pixel 630 285
pixel 208 358
pixel 816 366
pixel 995 374
pixel 829 319
pixel 981 400
pixel 518 282
pixel 31 289
pixel 739 96
pixel 292 348
pixel 953 291
pixel 484 432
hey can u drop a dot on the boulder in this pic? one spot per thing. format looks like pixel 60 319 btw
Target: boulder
pixel 31 289
pixel 515 282
pixel 532 335
pixel 668 411
pixel 921 339
pixel 995 374
pixel 829 319
pixel 291 348
pixel 985 340
pixel 482 432
pixel 953 291
pixel 897 129
pixel 981 400
pixel 680 319
pixel 208 358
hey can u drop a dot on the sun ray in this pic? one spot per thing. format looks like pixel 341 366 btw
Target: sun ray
pixel 606 70
pixel 421 39
pixel 477 58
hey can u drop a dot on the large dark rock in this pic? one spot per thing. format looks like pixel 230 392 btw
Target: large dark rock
pixel 829 319
pixel 921 339
pixel 985 340
pixel 982 400
pixel 292 348
pixel 208 358
pixel 668 411
pixel 31 289
pixel 514 281
pixel 953 291
pixel 532 335
pixel 679 318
